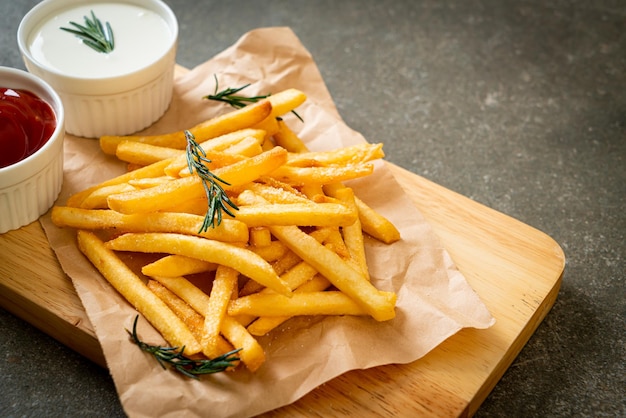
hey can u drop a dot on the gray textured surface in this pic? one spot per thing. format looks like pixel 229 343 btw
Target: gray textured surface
pixel 518 105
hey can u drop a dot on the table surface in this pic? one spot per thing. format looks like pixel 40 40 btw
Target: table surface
pixel 519 106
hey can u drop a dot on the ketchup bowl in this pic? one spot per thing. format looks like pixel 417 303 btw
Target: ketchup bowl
pixel 117 88
pixel 32 129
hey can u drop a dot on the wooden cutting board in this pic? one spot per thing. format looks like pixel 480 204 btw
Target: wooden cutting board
pixel 515 269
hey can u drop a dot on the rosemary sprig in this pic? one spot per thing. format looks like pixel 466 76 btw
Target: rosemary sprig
pixel 218 200
pixel 94 34
pixel 229 95
pixel 185 365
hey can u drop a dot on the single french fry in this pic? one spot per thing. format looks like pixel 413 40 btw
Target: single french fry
pixel 287 139
pixel 252 354
pixel 177 265
pixel 260 237
pixel 153 170
pixel 242 118
pixel 148 182
pixel 304 303
pixel 353 234
pixel 133 289
pixel 241 259
pixel 229 230
pixel 285 101
pixel 353 155
pixel 297 275
pixel 322 214
pixel 300 176
pixel 271 252
pixel 144 154
pixel 277 192
pixel 248 147
pixel 375 224
pixel 336 243
pixel 98 198
pixel 251 169
pixel 157 198
pixel 314 192
pixel 221 292
pixel 380 305
pixel 269 125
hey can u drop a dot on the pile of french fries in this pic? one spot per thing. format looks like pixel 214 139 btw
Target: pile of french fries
pixel 295 245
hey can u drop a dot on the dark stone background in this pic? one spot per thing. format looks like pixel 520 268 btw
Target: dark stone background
pixel 519 105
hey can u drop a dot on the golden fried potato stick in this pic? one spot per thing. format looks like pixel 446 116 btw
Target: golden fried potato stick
pixel 152 170
pixel 242 118
pixel 98 198
pixel 252 354
pixel 229 230
pixel 248 147
pixel 271 252
pixel 372 223
pixel 353 234
pixel 287 139
pixel 269 125
pixel 375 224
pixel 241 259
pixel 133 289
pixel 276 192
pixel 285 101
pixel 168 195
pixel 265 324
pixel 353 155
pixel 300 176
pixel 146 183
pixel 144 154
pixel 193 319
pixel 221 293
pixel 335 242
pixel 260 237
pixel 304 303
pixel 321 214
pixel 177 265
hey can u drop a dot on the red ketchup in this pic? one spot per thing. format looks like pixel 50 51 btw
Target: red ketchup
pixel 26 124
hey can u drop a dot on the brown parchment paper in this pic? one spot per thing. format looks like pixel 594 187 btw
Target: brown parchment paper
pixel 434 299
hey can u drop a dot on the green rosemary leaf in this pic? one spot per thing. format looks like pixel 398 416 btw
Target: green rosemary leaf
pixel 176 358
pixel 93 34
pixel 218 200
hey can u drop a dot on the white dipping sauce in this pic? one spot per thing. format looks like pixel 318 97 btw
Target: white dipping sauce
pixel 141 37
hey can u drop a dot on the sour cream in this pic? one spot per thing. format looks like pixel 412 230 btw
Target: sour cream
pixel 141 37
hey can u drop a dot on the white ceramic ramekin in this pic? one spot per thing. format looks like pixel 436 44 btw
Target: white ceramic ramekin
pixel 29 187
pixel 116 105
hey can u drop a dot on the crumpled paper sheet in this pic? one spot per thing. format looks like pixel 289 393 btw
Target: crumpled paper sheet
pixel 434 299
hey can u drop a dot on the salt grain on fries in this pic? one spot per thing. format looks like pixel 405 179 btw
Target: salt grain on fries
pixel 293 246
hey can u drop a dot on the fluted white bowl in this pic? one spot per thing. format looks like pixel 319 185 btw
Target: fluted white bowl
pixel 119 104
pixel 29 187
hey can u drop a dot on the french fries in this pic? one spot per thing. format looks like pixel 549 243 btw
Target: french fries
pixel 129 285
pixel 292 245
pixel 241 259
